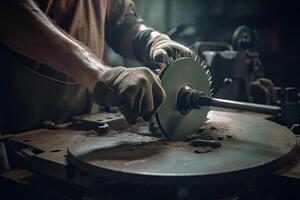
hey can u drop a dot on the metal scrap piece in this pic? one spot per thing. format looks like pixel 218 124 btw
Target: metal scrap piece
pixel 206 143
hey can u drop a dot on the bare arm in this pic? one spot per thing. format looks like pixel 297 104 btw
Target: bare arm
pixel 25 29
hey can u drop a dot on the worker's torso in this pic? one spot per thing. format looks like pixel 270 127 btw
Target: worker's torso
pixel 31 92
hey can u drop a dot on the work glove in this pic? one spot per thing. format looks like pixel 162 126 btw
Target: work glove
pixel 136 91
pixel 163 51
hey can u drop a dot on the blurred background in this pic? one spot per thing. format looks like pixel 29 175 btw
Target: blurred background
pixel 276 23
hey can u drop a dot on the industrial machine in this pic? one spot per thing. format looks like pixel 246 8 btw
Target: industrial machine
pixel 236 68
pixel 195 146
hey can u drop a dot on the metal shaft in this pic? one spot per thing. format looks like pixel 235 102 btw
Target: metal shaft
pixel 189 99
pixel 260 108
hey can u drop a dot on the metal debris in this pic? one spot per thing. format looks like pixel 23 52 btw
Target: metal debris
pixel 206 143
pixel 202 150
pixel 220 138
pixel 228 136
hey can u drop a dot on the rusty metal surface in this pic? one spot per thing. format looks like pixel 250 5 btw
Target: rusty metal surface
pixel 292 168
pixel 45 150
pixel 249 145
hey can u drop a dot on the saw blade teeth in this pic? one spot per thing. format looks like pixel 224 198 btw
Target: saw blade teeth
pixel 205 67
pixel 207 73
pixel 203 64
pixel 198 58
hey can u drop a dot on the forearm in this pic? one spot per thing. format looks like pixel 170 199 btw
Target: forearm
pixel 28 31
pixel 129 48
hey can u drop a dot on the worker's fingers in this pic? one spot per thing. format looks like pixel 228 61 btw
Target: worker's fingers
pixel 175 49
pixel 156 76
pixel 152 100
pixel 147 105
pixel 130 116
pixel 112 98
pixel 136 91
pixel 160 56
pixel 104 92
pixel 132 109
pixel 159 96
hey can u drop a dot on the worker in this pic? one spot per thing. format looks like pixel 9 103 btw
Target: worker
pixel 52 67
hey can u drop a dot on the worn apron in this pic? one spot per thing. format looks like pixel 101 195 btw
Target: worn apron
pixel 31 93
pixel 29 98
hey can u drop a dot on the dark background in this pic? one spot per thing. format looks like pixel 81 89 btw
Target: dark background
pixel 276 21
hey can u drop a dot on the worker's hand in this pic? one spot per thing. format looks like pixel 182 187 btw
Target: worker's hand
pixel 163 50
pixel 137 91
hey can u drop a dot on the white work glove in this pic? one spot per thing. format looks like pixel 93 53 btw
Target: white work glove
pixel 136 91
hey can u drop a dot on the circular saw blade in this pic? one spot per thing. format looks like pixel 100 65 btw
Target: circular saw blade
pixel 180 73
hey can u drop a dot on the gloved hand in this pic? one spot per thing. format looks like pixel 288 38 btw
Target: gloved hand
pixel 158 50
pixel 162 50
pixel 136 91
